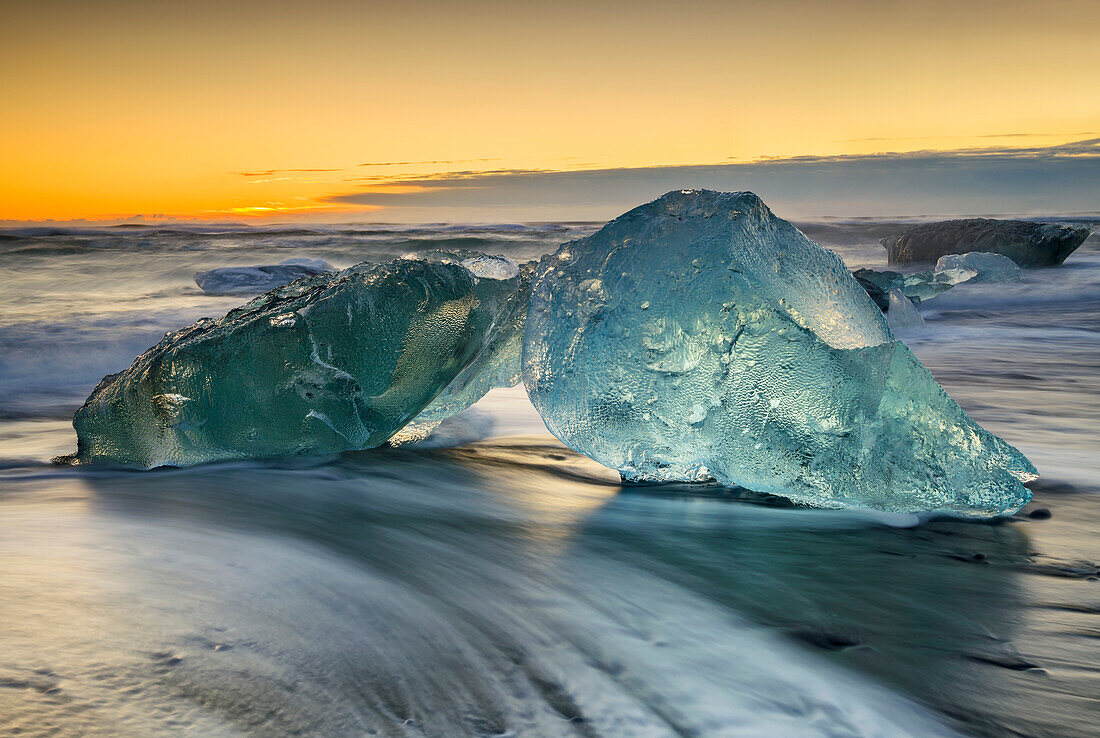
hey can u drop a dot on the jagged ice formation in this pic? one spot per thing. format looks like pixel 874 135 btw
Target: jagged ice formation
pixel 325 364
pixel 699 336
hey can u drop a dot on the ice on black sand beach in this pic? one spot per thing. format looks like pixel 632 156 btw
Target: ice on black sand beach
pixel 323 365
pixel 700 336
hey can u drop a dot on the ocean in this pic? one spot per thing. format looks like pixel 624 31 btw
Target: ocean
pixel 492 582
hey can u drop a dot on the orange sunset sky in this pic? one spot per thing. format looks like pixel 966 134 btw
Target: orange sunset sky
pixel 285 110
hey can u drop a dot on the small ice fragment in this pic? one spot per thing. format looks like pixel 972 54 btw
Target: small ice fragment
pixel 903 314
pixel 987 267
pixel 491 267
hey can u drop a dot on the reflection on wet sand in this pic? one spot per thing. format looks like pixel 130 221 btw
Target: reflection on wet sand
pixel 515 586
pixel 946 611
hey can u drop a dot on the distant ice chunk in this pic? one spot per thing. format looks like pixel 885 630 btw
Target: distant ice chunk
pixel 491 267
pixel 952 276
pixel 926 285
pixel 700 336
pixel 902 313
pixel 916 287
pixel 482 266
pixel 246 280
pixel 326 364
pixel 988 267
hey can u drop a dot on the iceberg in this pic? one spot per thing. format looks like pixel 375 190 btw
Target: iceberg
pixel 988 267
pixel 247 280
pixel 326 364
pixel 1026 243
pixel 701 337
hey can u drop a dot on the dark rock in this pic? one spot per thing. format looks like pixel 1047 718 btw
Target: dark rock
pixel 878 285
pixel 918 286
pixel 1026 243
pixel 1040 514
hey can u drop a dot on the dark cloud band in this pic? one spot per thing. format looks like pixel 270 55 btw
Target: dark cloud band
pixel 1062 178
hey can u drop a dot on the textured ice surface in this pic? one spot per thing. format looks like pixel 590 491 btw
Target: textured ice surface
pixel 700 336
pixel 989 267
pixel 953 275
pixel 254 279
pixel 325 364
pixel 491 267
pixel 499 362
pixel 1026 243
pixel 902 313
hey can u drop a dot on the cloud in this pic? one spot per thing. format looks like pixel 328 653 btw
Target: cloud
pixel 1048 179
pixel 1036 135
pixel 431 161
pixel 985 135
pixel 1087 147
pixel 269 172
pixel 405 180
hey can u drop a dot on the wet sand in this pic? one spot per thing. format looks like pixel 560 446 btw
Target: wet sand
pixel 514 587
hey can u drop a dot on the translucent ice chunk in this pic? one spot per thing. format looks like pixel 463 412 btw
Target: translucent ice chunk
pixel 246 280
pixel 953 276
pixel 903 314
pixel 700 336
pixel 491 267
pixel 499 362
pixel 926 285
pixel 322 365
pixel 988 267
pixel 917 287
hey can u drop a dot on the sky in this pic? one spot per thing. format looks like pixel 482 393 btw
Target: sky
pixel 492 110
